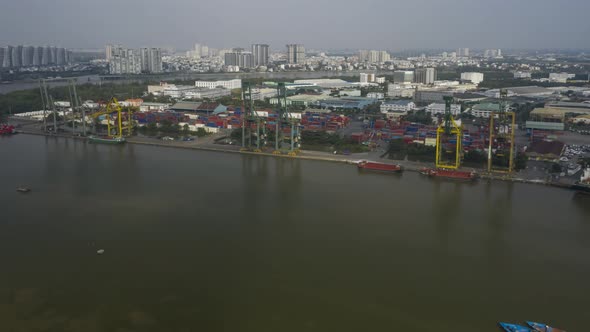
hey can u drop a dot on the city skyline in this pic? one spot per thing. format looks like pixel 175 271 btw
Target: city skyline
pixel 446 24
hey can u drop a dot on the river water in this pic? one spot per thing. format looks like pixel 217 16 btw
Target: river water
pixel 202 241
pixel 185 76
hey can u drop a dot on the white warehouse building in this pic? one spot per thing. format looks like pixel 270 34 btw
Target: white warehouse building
pixel 472 77
pixel 436 109
pixel 229 84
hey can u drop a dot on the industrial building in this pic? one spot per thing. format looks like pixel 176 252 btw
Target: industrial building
pixel 400 91
pixel 439 109
pixel 522 91
pixel 327 83
pixel 295 54
pixel 397 106
pixel 546 119
pixel 560 77
pixel 545 150
pixel 432 96
pixel 484 110
pixel 304 100
pixel 472 77
pixel 227 84
pixel 569 107
pixel 205 93
pixel 347 103
pixel 522 75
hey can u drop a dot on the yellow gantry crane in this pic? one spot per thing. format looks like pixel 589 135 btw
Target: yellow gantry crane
pixel 112 107
pixel 449 129
pixel 501 140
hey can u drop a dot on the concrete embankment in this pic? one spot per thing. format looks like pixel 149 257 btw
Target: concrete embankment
pixel 410 167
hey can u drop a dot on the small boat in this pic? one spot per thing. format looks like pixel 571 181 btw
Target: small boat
pixel 449 174
pixel 106 140
pixel 540 327
pixel 23 189
pixel 380 167
pixel 514 328
pixel 583 186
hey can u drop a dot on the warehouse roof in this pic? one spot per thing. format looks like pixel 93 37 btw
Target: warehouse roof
pixel 546 147
pixel 530 90
pixel 549 112
pixel 398 102
pixel 186 106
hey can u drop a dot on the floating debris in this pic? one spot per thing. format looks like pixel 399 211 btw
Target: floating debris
pixel 100 251
pixel 23 189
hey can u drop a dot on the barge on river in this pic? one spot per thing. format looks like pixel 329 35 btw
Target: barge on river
pixel 449 174
pixel 379 167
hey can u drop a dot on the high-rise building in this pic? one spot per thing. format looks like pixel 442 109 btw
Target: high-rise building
pixel 37 56
pixel 363 55
pixel 151 60
pixel 239 58
pixel 296 54
pixel 46 56
pixel 199 51
pixel 53 55
pixel 364 79
pixel 60 58
pixel 7 63
pixel 463 52
pixel 425 75
pixel 260 53
pixel 373 56
pixel 494 53
pixel 17 56
pixel 125 61
pixel 403 76
pixel 27 56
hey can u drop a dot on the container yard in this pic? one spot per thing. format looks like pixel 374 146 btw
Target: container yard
pixel 474 138
pixel 233 119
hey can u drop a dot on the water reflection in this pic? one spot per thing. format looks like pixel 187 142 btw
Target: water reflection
pixel 498 214
pixel 446 208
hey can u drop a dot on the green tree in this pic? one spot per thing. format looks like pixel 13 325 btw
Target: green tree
pixel 520 161
pixel 201 132
pixel 419 117
pixel 152 126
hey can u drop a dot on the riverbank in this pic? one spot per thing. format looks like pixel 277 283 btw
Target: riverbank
pixel 305 155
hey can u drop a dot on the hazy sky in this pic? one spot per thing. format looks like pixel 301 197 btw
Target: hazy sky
pixel 375 24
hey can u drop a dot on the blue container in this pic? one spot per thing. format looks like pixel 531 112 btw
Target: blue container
pixel 211 124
